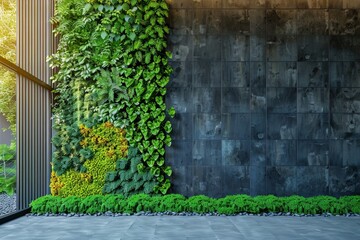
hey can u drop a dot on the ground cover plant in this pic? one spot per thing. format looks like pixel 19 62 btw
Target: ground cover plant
pixel 176 203
pixel 109 98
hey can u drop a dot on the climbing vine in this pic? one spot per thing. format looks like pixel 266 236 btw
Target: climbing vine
pixel 113 67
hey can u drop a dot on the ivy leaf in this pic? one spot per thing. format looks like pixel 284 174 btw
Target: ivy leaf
pixel 101 8
pixel 147 58
pixel 132 36
pixel 137 44
pixel 125 6
pixel 103 35
pixel 160 162
pixel 168 127
pixel 87 7
pixel 171 112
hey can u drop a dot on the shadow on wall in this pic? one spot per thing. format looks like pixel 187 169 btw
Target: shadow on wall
pixel 5 136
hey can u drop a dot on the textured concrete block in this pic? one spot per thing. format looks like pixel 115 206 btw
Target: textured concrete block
pixel 181 180
pixel 281 153
pixel 207 73
pixel 313 48
pixel 281 181
pixel 236 74
pixel 207 100
pixel 313 126
pixel 235 152
pixel 344 181
pixel 313 100
pixel 257 180
pixel 351 4
pixel 235 100
pixel 281 126
pixel 257 22
pixel 182 125
pixel 258 153
pixel 280 3
pixel 181 21
pixel 258 100
pixel 313 74
pixel 281 100
pixel 208 181
pixel 181 75
pixel 207 3
pixel 207 47
pixel 236 47
pixel 313 153
pixel 258 126
pixel 257 48
pixel 345 100
pixel 236 3
pixel 282 74
pixel 206 153
pixel 281 48
pixel 257 75
pixel 344 21
pixel 345 126
pixel 345 74
pixel 336 153
pixel 344 48
pixel 236 22
pixel 180 3
pixel 312 181
pixel 351 153
pixel 181 47
pixel 179 154
pixel 236 180
pixel 180 99
pixel 313 3
pixel 313 22
pixel 207 126
pixel 281 22
pixel 207 21
pixel 235 126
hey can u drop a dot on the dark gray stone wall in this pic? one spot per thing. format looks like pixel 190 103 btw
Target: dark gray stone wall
pixel 267 94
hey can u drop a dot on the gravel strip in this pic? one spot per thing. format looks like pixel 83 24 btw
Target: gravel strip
pixel 110 214
pixel 7 204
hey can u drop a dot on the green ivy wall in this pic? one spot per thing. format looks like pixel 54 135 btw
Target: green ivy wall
pixel 109 97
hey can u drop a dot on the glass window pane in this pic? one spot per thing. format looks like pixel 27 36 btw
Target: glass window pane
pixel 8 29
pixel 7 141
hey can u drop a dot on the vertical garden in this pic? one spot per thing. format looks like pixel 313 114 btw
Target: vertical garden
pixel 109 113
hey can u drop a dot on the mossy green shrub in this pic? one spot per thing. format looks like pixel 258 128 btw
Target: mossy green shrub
pixel 105 144
pixel 200 204
pixel 113 67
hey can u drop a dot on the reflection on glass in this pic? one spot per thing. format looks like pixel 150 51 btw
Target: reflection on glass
pixel 7 142
pixel 8 29
pixel 7 108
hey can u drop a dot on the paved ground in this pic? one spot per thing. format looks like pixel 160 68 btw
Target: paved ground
pixel 178 227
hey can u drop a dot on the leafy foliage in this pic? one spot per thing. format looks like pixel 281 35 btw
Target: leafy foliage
pixel 7 169
pixel 127 179
pixel 8 50
pixel 113 68
pixel 103 144
pixel 228 205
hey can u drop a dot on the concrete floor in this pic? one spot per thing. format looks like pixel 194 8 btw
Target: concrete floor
pixel 178 227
